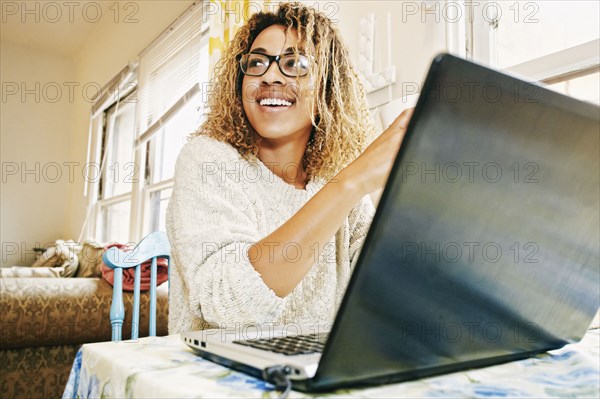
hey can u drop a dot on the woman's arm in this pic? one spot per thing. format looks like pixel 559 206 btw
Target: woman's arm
pixel 319 219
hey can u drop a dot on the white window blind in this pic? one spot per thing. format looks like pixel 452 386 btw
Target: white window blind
pixel 169 72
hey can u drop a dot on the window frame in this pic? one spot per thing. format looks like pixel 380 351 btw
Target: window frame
pixel 559 66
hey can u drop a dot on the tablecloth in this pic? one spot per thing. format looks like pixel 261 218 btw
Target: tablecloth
pixel 165 367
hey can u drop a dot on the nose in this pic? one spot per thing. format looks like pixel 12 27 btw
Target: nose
pixel 273 74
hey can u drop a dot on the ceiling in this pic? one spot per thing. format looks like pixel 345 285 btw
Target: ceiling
pixel 56 27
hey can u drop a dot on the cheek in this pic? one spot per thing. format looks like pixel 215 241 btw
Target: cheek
pixel 250 90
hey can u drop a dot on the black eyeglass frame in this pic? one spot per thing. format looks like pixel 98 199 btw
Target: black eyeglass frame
pixel 271 58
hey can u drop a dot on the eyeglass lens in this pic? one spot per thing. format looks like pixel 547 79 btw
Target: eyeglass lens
pixel 255 64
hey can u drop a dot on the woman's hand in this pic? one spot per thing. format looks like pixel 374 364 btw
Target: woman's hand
pixel 371 169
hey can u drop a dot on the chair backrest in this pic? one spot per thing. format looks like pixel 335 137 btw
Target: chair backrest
pixel 154 245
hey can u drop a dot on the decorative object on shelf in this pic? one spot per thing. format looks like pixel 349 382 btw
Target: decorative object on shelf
pixel 372 80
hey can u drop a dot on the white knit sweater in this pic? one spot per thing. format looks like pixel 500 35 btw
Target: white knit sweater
pixel 220 205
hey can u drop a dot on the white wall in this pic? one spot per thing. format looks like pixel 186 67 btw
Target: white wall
pixel 36 132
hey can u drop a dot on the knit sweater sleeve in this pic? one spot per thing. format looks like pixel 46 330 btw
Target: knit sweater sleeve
pixel 359 221
pixel 211 224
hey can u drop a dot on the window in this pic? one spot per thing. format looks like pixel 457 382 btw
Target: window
pixel 167 142
pixel 118 149
pixel 162 152
pixel 554 42
pixel 137 136
pixel 116 171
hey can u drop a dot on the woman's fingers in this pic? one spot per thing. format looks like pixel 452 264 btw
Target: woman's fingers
pixel 401 122
pixel 372 167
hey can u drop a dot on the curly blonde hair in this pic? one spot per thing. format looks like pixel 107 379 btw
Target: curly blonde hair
pixel 342 127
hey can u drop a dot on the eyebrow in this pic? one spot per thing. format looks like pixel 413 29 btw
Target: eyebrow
pixel 288 50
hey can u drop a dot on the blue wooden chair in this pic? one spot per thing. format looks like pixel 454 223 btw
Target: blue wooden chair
pixel 154 245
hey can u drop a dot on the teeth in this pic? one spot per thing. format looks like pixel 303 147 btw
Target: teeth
pixel 275 101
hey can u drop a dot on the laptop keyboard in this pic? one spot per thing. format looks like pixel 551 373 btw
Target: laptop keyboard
pixel 290 345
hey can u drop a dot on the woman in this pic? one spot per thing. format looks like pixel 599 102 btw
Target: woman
pixel 270 204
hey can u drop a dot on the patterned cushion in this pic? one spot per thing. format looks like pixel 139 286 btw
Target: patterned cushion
pixel 26 271
pixel 49 311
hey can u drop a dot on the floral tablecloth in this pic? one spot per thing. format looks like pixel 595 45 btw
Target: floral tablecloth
pixel 165 367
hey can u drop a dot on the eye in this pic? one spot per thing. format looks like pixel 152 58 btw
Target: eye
pixel 296 63
pixel 291 63
pixel 255 61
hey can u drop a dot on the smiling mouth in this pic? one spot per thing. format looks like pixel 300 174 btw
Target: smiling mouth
pixel 275 102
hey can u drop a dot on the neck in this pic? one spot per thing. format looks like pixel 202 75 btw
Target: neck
pixel 285 159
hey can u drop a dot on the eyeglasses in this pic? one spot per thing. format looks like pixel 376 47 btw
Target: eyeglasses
pixel 291 65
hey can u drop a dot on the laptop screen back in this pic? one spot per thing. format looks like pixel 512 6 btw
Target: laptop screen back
pixel 485 245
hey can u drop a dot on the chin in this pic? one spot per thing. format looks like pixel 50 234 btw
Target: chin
pixel 273 134
pixel 291 127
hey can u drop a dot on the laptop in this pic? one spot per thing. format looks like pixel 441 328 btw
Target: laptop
pixel 484 247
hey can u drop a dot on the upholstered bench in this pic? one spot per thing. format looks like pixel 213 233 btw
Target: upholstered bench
pixel 45 320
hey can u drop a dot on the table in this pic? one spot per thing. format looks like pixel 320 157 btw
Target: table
pixel 165 367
